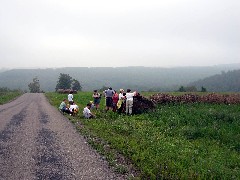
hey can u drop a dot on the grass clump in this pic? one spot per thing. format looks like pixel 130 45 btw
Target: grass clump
pixel 7 96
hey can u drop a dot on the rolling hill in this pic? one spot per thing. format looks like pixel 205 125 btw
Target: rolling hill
pixel 224 82
pixel 136 78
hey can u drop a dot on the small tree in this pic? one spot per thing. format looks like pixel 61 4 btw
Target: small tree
pixel 182 89
pixel 64 82
pixel 203 89
pixel 34 86
pixel 76 85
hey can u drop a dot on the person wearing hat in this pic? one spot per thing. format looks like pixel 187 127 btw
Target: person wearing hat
pixel 121 101
pixel 92 104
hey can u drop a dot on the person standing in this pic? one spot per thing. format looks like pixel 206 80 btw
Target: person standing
pixel 129 101
pixel 115 101
pixel 96 98
pixel 121 99
pixel 70 98
pixel 109 101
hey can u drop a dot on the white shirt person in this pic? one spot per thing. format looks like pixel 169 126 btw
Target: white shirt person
pixel 87 113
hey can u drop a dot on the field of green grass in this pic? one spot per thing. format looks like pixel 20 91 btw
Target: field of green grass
pixel 8 96
pixel 185 141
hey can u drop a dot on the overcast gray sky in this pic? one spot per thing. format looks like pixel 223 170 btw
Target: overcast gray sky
pixel 108 33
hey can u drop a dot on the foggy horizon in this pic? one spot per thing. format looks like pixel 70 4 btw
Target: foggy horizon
pixel 166 67
pixel 58 34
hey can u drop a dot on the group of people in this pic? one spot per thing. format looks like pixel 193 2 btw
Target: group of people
pixel 72 108
pixel 121 103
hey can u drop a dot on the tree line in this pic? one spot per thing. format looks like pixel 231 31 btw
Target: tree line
pixel 191 89
pixel 65 81
pixel 224 82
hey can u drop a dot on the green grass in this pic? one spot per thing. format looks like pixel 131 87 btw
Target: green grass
pixel 81 99
pixel 187 141
pixel 8 96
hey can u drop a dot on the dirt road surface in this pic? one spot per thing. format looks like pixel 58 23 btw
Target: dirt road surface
pixel 37 142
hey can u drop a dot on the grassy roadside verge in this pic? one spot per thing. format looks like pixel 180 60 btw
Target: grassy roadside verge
pixel 5 97
pixel 187 141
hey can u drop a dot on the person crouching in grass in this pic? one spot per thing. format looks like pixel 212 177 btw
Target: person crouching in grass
pixel 73 109
pixel 63 107
pixel 87 112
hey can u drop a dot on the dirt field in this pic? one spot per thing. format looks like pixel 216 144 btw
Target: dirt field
pixel 37 142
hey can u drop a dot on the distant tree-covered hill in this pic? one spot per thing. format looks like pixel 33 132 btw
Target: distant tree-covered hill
pixel 136 78
pixel 3 69
pixel 223 82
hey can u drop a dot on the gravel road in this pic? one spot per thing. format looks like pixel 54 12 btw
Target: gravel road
pixel 37 142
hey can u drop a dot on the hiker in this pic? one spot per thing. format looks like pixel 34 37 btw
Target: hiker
pixel 63 107
pixel 92 104
pixel 73 108
pixel 70 97
pixel 109 94
pixel 115 101
pixel 121 101
pixel 87 112
pixel 96 99
pixel 129 101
